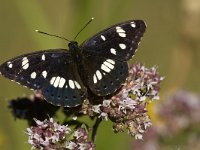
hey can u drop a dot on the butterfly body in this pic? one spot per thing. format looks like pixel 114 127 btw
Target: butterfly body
pixel 65 76
pixel 75 51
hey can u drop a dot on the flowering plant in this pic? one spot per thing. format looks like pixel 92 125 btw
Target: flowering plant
pixel 126 108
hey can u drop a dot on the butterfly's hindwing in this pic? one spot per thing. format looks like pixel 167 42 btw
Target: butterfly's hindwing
pixel 104 76
pixel 52 71
pixel 117 42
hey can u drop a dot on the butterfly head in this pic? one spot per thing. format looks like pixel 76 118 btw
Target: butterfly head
pixel 73 45
pixel 74 50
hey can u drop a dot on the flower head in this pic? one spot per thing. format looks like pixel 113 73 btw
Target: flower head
pixel 127 109
pixel 180 111
pixel 48 134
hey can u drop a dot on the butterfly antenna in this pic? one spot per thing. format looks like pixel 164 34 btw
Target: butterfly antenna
pixel 84 27
pixel 52 35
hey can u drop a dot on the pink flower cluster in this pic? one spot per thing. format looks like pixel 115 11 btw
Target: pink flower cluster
pixel 49 135
pixel 127 109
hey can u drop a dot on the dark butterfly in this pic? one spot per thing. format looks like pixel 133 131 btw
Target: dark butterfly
pixel 64 77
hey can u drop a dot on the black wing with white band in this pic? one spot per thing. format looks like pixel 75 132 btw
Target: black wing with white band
pixel 54 72
pixel 106 55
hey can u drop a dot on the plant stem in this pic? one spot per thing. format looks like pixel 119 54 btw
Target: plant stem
pixel 94 129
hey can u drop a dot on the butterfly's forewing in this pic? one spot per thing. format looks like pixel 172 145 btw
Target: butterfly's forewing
pixel 106 54
pixel 54 72
pixel 118 42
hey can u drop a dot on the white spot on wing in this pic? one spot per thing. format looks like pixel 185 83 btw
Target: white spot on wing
pixel 105 68
pixel 120 31
pixel 44 74
pixel 33 75
pixel 43 57
pixel 77 85
pixel 71 84
pixel 122 46
pixel 94 78
pixel 111 66
pixel 113 51
pixel 9 64
pixel 99 75
pixel 52 80
pixel 111 61
pixel 25 63
pixel 103 37
pixel 61 83
pixel 133 24
pixel 122 34
pixel 56 83
pixel 26 66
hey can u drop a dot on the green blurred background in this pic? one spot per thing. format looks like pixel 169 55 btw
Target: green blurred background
pixel 172 42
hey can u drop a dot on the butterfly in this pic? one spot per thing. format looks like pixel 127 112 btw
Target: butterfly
pixel 64 76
